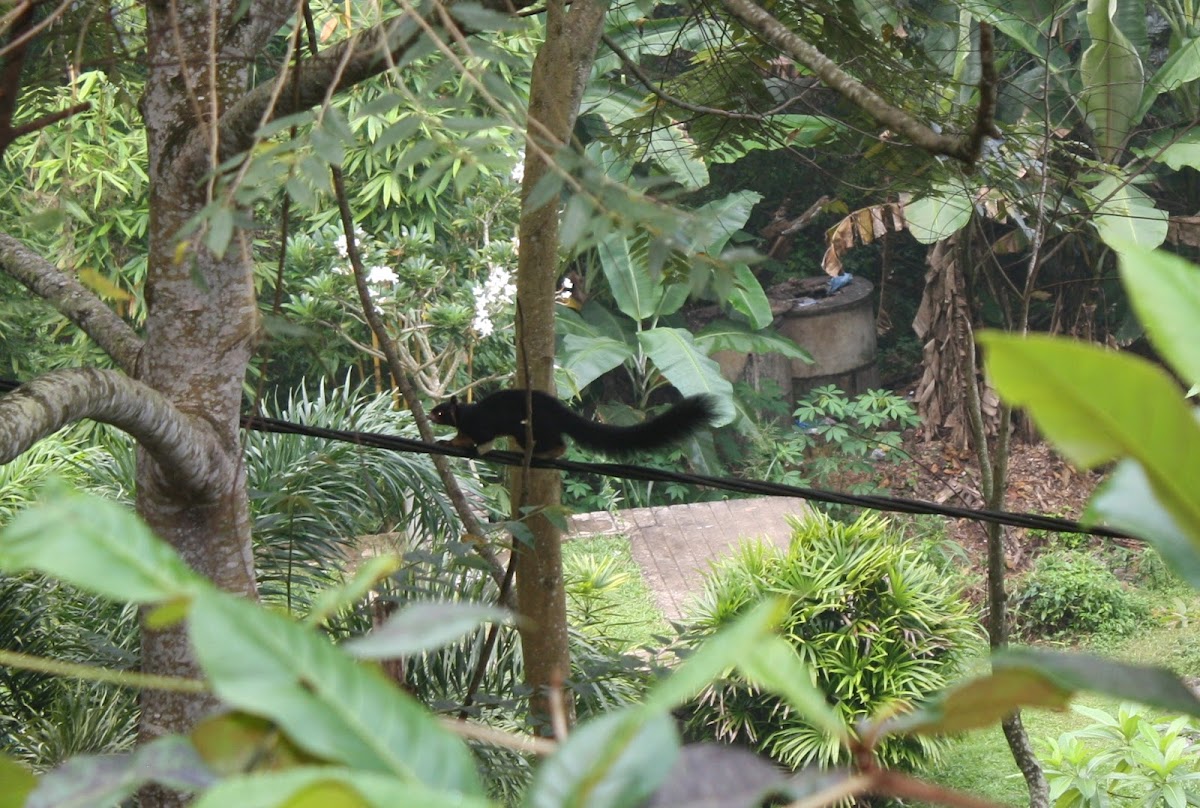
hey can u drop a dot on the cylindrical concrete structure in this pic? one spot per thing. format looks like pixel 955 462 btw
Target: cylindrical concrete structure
pixel 839 331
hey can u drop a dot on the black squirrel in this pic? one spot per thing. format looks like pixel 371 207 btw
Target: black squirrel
pixel 503 413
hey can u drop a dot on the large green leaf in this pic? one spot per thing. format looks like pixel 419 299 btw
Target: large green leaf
pixel 676 357
pixel 589 358
pixel 108 779
pixel 939 214
pixel 1165 292
pixel 328 787
pixel 1029 677
pixel 1021 29
pixel 1173 149
pixel 712 225
pixel 675 152
pixel 98 546
pixel 1127 502
pixel 726 335
pixel 1182 67
pixel 774 665
pixel 636 293
pixel 422 627
pixel 1112 78
pixel 615 760
pixel 327 703
pixel 749 298
pixel 16 783
pixel 1126 216
pixel 1097 406
pixel 1152 686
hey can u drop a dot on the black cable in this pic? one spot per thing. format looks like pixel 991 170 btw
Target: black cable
pixel 631 472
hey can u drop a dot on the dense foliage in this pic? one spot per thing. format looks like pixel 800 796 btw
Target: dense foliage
pixel 880 628
pixel 1073 593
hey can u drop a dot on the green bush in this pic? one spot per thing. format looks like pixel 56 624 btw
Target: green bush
pixel 836 441
pixel 1072 593
pixel 880 628
pixel 1125 759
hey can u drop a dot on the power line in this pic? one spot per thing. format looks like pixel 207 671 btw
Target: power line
pixel 633 472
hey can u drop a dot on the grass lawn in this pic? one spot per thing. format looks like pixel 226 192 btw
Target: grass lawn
pixel 980 763
pixel 606 592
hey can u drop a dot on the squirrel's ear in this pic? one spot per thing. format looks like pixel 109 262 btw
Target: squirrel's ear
pixel 453 401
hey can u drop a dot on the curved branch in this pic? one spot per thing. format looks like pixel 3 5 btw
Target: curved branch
pixel 776 33
pixel 186 449
pixel 73 300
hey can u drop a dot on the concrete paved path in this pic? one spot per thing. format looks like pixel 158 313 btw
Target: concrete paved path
pixel 674 545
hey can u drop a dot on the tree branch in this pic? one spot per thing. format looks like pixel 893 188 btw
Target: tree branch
pixel 186 449
pixel 73 300
pixel 645 80
pixel 961 147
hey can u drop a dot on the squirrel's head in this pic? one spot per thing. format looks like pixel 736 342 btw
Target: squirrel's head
pixel 445 413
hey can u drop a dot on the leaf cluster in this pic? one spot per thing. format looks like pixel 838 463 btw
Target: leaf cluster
pixel 1123 759
pixel 879 628
pixel 1072 594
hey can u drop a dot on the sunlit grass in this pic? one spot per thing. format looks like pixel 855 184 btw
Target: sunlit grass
pixel 623 608
pixel 980 762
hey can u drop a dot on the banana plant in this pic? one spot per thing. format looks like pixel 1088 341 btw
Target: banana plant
pixel 641 334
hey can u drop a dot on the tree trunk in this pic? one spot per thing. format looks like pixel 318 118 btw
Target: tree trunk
pixel 200 329
pixel 559 74
pixel 993 473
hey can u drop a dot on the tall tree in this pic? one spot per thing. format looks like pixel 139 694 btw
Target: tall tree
pixel 178 387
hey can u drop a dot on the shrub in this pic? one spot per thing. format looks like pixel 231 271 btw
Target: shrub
pixel 1071 593
pixel 879 627
pixel 836 441
pixel 1130 760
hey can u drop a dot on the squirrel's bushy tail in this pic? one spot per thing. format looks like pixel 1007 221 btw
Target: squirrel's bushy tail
pixel 688 416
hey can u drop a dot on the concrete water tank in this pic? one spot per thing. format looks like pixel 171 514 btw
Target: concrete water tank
pixel 838 330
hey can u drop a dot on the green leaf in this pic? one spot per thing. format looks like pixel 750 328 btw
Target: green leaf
pixel 589 358
pixel 714 223
pixel 369 573
pixel 576 218
pixel 235 742
pixel 16 783
pixel 1182 67
pixel 108 779
pixel 1178 151
pixel 477 18
pixel 321 785
pixel 726 335
pixel 96 545
pixel 691 372
pixel 981 702
pixel 940 214
pixel 674 151
pixel 1097 406
pixel 720 653
pixel 220 231
pixel 328 704
pixel 749 298
pixel 615 760
pixel 636 293
pixel 1152 686
pixel 774 665
pixel 1125 216
pixel 1127 502
pixel 423 627
pixel 327 145
pixel 1165 292
pixel 1112 79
